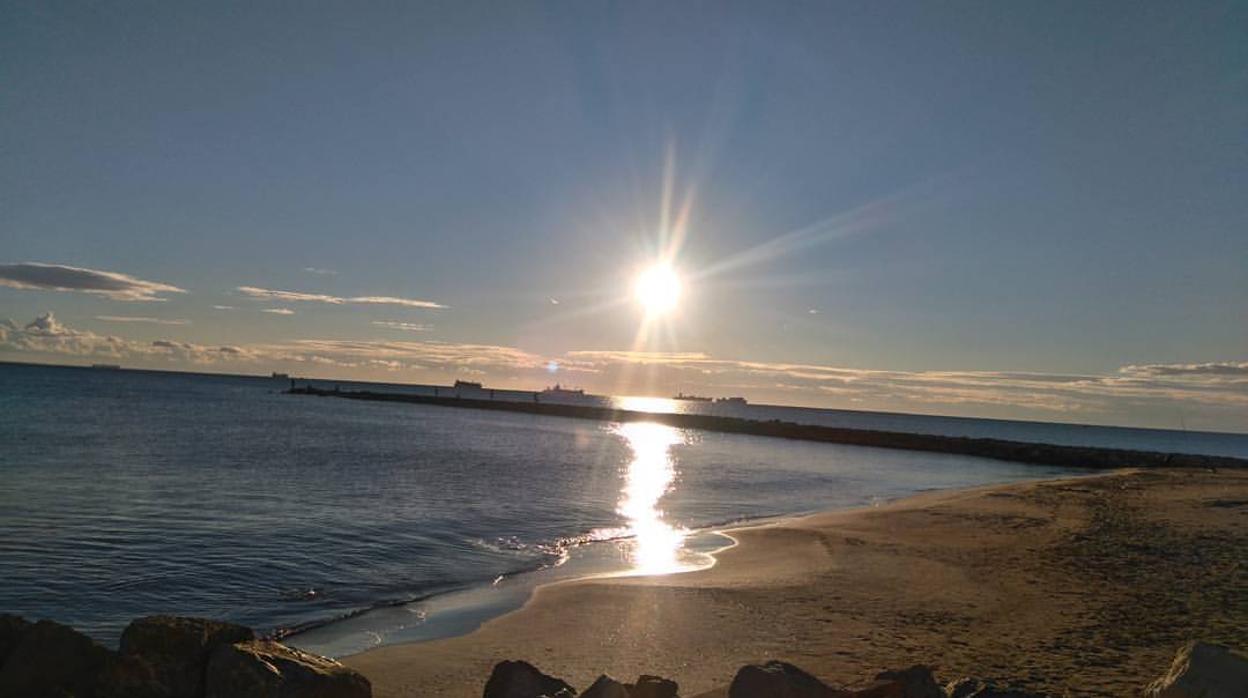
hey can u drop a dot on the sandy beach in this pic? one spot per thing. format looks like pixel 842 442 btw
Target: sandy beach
pixel 1082 586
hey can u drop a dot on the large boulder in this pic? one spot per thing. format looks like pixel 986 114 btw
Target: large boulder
pixel 12 629
pixel 1202 670
pixel 52 660
pixel 963 687
pixel 653 687
pixel 128 676
pixel 777 679
pixel 915 682
pixel 267 669
pixel 517 679
pixel 977 688
pixel 605 687
pixel 177 650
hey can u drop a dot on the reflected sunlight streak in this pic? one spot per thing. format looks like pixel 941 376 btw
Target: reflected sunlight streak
pixel 656 545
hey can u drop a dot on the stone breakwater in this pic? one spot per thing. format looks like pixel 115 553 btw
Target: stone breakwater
pixel 164 657
pixel 999 449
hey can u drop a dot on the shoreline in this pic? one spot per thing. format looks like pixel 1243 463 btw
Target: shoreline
pixel 1047 583
pixel 1034 453
pixel 461 610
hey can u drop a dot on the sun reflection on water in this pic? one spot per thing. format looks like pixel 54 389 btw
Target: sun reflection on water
pixel 655 545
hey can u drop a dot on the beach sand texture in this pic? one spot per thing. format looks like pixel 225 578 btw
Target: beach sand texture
pixel 1081 586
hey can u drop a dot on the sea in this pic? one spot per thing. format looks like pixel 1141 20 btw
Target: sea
pixel 342 525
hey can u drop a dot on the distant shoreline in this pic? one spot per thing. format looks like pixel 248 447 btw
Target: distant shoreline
pixel 999 449
pixel 815 408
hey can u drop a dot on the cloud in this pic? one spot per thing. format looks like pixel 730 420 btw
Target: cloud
pixel 1219 385
pixel 1214 393
pixel 148 320
pixel 325 272
pixel 300 297
pixel 427 354
pixel 1217 368
pixel 278 311
pixel 46 335
pixel 641 357
pixel 224 307
pixel 404 326
pixel 59 277
pixel 390 300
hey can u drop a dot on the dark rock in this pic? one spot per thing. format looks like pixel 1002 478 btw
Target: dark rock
pixel 605 687
pixel 915 682
pixel 963 687
pixel 12 629
pixel 653 687
pixel 267 669
pixel 52 660
pixel 177 650
pixel 522 680
pixel 128 676
pixel 777 679
pixel 1203 670
pixel 977 688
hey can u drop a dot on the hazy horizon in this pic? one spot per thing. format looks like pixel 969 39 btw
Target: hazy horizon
pixel 1031 211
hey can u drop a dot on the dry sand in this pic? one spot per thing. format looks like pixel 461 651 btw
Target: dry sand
pixel 1082 586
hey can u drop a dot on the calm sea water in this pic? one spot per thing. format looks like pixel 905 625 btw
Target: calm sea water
pixel 127 493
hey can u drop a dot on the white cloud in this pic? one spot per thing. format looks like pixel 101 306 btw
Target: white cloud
pixel 404 326
pixel 278 311
pixel 1214 368
pixel 147 320
pixel 300 297
pixel 325 272
pixel 60 277
pixel 1214 394
pixel 224 307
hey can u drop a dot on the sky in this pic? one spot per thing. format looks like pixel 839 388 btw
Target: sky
pixel 1019 210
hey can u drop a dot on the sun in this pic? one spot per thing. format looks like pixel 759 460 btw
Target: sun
pixel 657 289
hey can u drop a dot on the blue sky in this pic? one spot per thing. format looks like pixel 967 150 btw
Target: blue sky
pixel 963 193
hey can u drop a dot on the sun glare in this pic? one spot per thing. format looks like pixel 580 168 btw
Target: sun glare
pixel 657 289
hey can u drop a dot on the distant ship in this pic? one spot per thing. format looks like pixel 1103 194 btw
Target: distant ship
pixel 107 367
pixel 281 376
pixel 468 384
pixel 730 401
pixel 560 391
pixel 690 398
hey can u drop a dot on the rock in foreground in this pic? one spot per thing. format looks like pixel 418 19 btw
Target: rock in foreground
pixel 915 682
pixel 606 687
pixel 177 649
pixel 653 687
pixel 51 659
pixel 164 657
pixel 777 679
pixel 267 669
pixel 1202 670
pixel 522 680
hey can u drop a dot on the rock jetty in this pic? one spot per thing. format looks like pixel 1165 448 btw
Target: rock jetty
pixel 164 657
pixel 1000 449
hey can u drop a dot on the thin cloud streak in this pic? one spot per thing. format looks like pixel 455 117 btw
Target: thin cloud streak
pixel 37 276
pixel 301 297
pixel 403 326
pixel 145 320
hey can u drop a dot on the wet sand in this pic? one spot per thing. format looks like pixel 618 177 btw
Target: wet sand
pixel 1082 586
